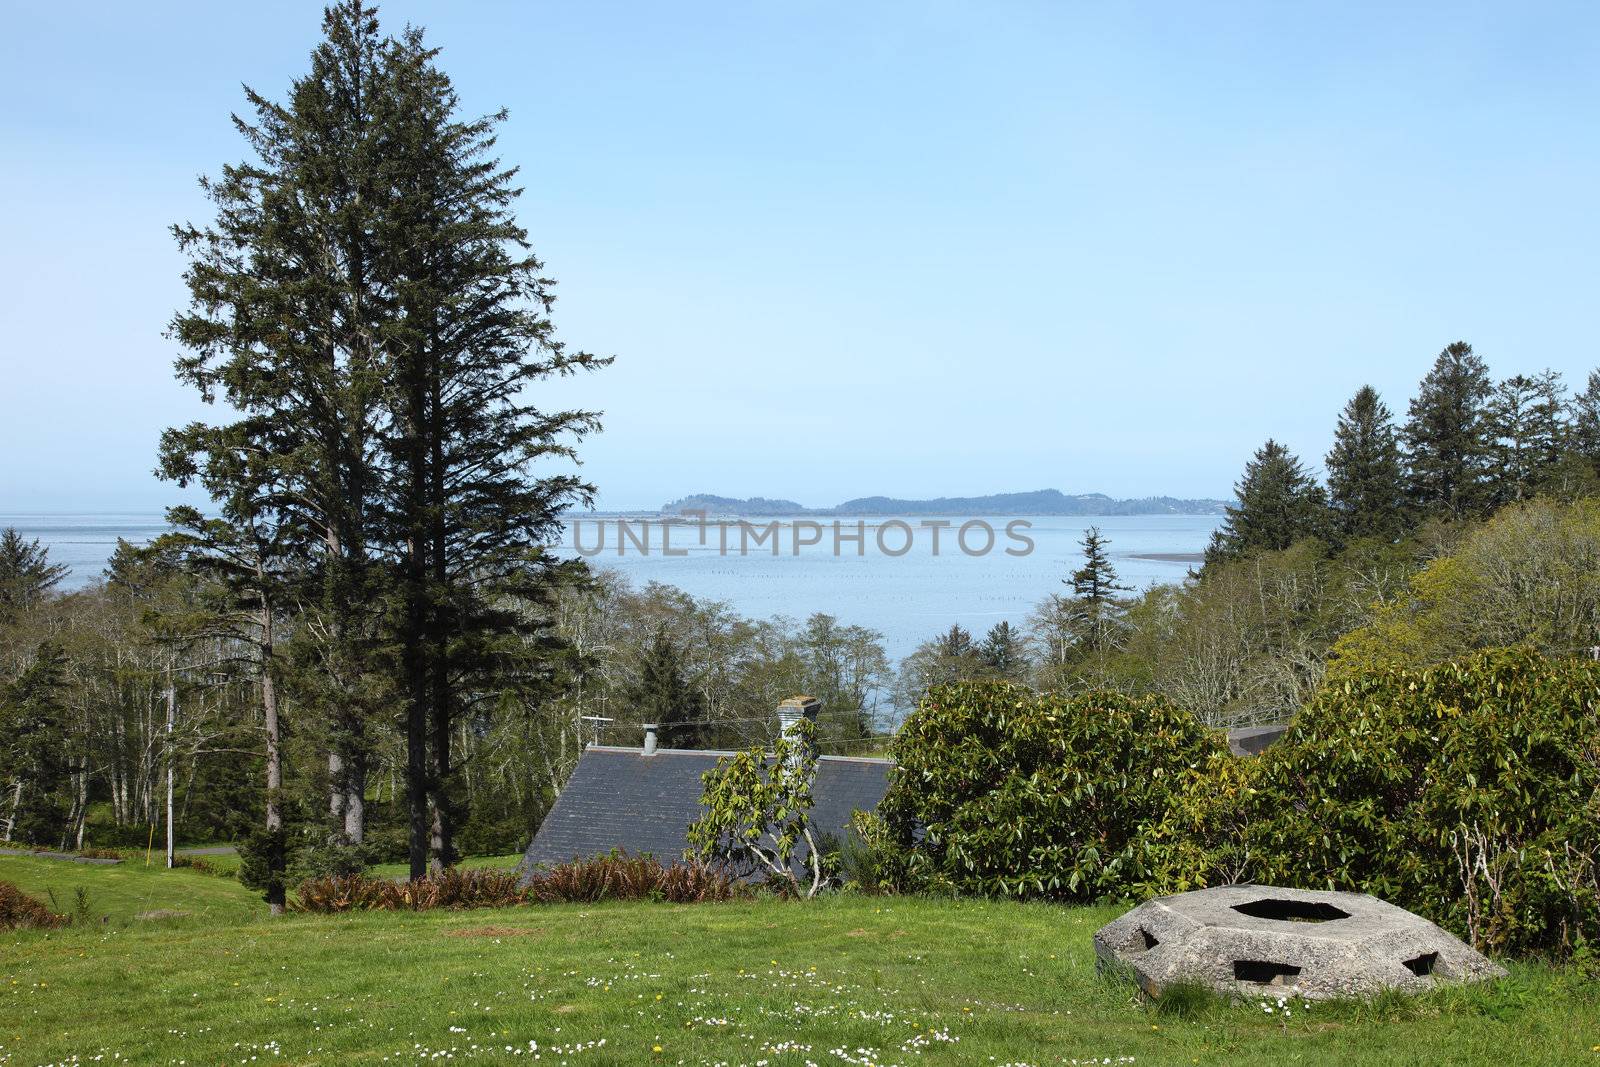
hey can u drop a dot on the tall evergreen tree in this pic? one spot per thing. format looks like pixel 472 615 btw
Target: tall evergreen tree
pixel 286 324
pixel 366 300
pixel 1096 581
pixel 1366 481
pixel 662 696
pixel 1094 591
pixel 26 573
pixel 469 509
pixel 1278 504
pixel 1584 420
pixel 1527 416
pixel 33 767
pixel 1449 437
pixel 245 558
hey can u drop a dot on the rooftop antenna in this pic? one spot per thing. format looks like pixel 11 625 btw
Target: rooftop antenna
pixel 600 723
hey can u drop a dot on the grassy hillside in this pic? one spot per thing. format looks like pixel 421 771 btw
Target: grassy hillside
pixel 842 980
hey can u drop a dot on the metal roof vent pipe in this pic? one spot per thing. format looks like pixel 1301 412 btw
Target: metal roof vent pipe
pixel 795 710
pixel 652 733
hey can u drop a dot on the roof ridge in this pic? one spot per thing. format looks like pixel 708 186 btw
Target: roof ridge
pixel 727 752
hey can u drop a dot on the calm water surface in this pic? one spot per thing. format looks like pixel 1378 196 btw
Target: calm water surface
pixel 907 598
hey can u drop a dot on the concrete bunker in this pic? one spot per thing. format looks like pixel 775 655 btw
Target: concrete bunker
pixel 1255 941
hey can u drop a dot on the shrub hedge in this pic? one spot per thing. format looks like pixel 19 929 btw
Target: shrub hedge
pixel 1001 791
pixel 1468 792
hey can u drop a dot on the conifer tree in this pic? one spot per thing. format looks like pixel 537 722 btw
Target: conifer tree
pixel 1094 591
pixel 1278 505
pixel 1096 581
pixel 1527 415
pixel 1584 420
pixel 26 573
pixel 33 767
pixel 469 507
pixel 662 696
pixel 1003 652
pixel 1366 481
pixel 368 303
pixel 955 645
pixel 1448 436
pixel 286 325
pixel 245 561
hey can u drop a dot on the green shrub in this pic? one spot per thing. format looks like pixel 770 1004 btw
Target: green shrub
pixel 1000 791
pixel 18 911
pixel 1468 792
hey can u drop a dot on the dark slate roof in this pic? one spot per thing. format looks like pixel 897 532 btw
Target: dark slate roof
pixel 1251 740
pixel 621 798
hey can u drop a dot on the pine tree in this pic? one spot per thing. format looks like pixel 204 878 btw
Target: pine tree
pixel 953 647
pixel 1527 415
pixel 1004 653
pixel 1278 505
pixel 1094 590
pixel 1096 581
pixel 1366 481
pixel 951 657
pixel 1584 419
pixel 287 322
pixel 33 741
pixel 1448 436
pixel 26 574
pixel 663 697
pixel 470 511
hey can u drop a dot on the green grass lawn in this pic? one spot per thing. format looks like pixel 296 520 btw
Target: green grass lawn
pixel 842 980
pixel 401 870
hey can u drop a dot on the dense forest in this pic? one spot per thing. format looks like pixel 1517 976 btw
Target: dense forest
pixel 1471 524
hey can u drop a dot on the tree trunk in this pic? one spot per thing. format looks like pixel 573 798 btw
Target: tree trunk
pixel 16 806
pixel 83 798
pixel 269 709
pixel 172 715
pixel 336 787
pixel 355 799
pixel 442 696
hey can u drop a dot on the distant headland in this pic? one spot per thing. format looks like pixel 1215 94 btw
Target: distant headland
pixel 1038 502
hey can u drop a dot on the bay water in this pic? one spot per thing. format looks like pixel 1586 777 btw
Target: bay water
pixel 907 597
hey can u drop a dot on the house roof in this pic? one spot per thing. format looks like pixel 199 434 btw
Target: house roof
pixel 619 798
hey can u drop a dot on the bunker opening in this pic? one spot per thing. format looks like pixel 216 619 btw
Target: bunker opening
pixel 1265 972
pixel 1422 966
pixel 1291 911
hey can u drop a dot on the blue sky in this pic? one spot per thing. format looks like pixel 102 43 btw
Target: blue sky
pixel 840 249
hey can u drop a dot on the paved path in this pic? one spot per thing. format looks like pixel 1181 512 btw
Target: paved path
pixel 42 855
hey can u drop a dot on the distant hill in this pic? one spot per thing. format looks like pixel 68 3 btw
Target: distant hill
pixel 727 505
pixel 1039 502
